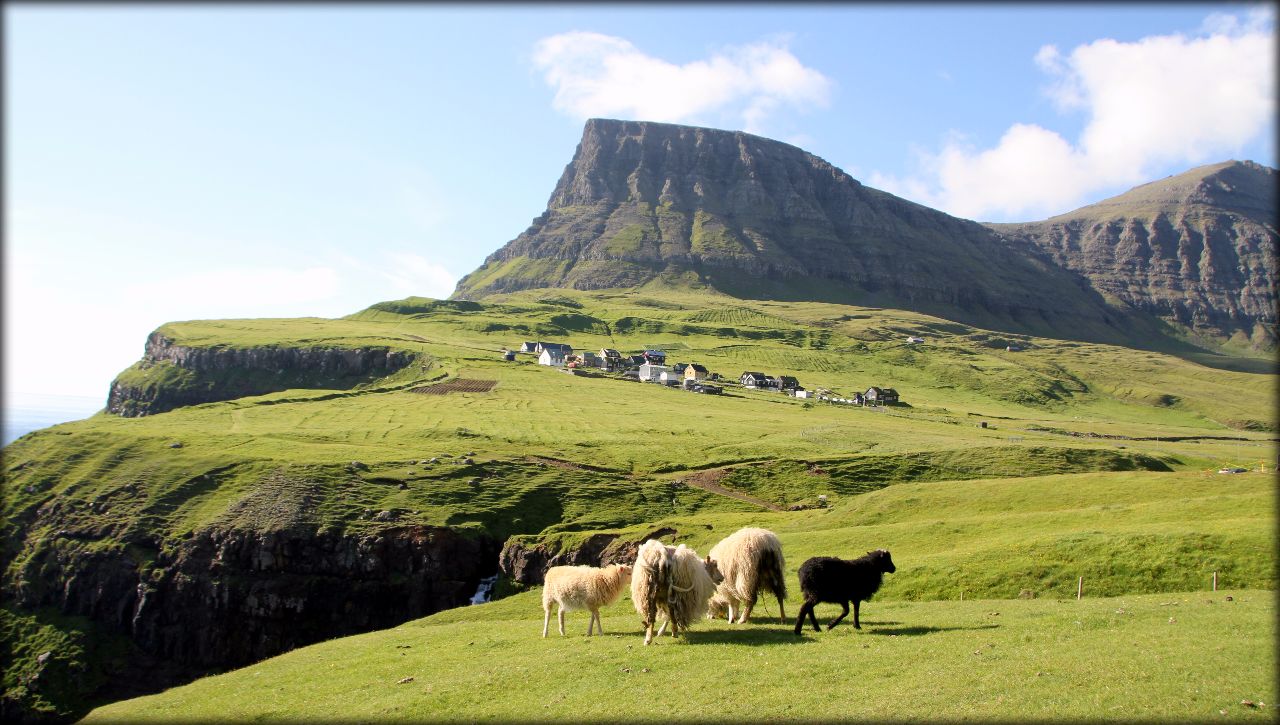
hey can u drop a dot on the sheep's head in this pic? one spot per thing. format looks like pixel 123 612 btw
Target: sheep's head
pixel 625 571
pixel 717 607
pixel 881 557
pixel 713 569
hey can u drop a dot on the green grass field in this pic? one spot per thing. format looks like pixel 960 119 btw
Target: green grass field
pixel 1095 461
pixel 1147 642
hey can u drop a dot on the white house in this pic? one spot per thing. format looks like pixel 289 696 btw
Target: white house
pixel 670 377
pixel 552 356
pixel 652 372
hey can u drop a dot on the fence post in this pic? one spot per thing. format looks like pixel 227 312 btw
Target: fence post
pixel 1079 589
pixel 1215 581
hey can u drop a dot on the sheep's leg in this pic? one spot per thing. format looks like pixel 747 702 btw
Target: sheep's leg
pixel 730 612
pixel 746 610
pixel 782 610
pixel 804 609
pixel 813 618
pixel 546 618
pixel 560 616
pixel 591 623
pixel 856 624
pixel 599 623
pixel 648 633
pixel 843 614
pixel 662 628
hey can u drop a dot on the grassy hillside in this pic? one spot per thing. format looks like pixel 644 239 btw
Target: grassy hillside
pixel 552 457
pixel 1180 653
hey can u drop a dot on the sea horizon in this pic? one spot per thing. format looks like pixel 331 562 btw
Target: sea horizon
pixel 24 413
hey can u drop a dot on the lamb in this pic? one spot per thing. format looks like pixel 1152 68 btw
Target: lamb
pixel 582 587
pixel 750 559
pixel 839 581
pixel 674 582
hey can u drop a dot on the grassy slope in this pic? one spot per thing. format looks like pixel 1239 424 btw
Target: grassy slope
pixel 1167 655
pixel 280 459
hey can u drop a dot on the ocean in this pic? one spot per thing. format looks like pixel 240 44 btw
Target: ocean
pixel 25 412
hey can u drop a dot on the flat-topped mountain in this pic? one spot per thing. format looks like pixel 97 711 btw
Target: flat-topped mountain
pixel 1197 249
pixel 653 203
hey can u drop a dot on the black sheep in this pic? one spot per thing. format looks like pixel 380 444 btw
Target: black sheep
pixel 840 581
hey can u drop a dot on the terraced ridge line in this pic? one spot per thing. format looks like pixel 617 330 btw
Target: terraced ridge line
pixel 457 385
pixel 709 480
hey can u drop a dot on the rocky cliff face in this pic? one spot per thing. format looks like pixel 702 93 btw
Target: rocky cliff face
pixel 649 202
pixel 1197 249
pixel 171 375
pixel 225 597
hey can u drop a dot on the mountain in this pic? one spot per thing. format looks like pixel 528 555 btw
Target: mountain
pixel 659 204
pixel 1197 249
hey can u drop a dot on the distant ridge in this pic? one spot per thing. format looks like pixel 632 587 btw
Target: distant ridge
pixel 1197 249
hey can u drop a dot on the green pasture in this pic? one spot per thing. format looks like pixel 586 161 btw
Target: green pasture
pixel 1149 640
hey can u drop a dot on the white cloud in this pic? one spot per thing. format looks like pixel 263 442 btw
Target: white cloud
pixel 603 75
pixel 1157 101
pixel 412 274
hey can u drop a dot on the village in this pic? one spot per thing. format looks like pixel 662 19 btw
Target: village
pixel 650 366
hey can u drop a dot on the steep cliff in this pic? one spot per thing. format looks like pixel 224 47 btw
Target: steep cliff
pixel 1197 249
pixel 754 218
pixel 171 375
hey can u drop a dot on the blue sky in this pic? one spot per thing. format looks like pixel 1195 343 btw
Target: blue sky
pixel 205 161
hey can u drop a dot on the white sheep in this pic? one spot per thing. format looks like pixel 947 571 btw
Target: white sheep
pixel 750 560
pixel 582 587
pixel 674 582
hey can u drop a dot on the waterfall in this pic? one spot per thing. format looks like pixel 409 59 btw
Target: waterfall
pixel 485 590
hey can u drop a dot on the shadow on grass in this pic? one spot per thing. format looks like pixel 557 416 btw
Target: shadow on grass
pixel 917 631
pixel 744 635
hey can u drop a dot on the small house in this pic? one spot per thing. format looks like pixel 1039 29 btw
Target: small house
pixel 650 373
pixel 880 396
pixel 509 355
pixel 670 377
pixel 636 360
pixel 610 359
pixel 771 383
pixel 679 368
pixel 590 360
pixel 753 380
pixel 695 372
pixel 654 357
pixel 529 347
pixel 802 393
pixel 553 356
pixel 914 340
pixel 786 382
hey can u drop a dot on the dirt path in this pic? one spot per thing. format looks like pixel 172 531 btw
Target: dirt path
pixel 709 480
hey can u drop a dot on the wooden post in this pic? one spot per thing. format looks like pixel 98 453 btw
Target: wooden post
pixel 962 595
pixel 1215 581
pixel 1079 589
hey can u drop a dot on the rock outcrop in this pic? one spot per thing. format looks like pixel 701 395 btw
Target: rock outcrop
pixel 1197 249
pixel 652 203
pixel 526 560
pixel 171 375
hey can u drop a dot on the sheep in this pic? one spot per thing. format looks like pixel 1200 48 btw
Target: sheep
pixel 750 559
pixel 839 581
pixel 582 587
pixel 674 582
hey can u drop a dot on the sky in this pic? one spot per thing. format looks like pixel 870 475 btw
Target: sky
pixel 176 162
